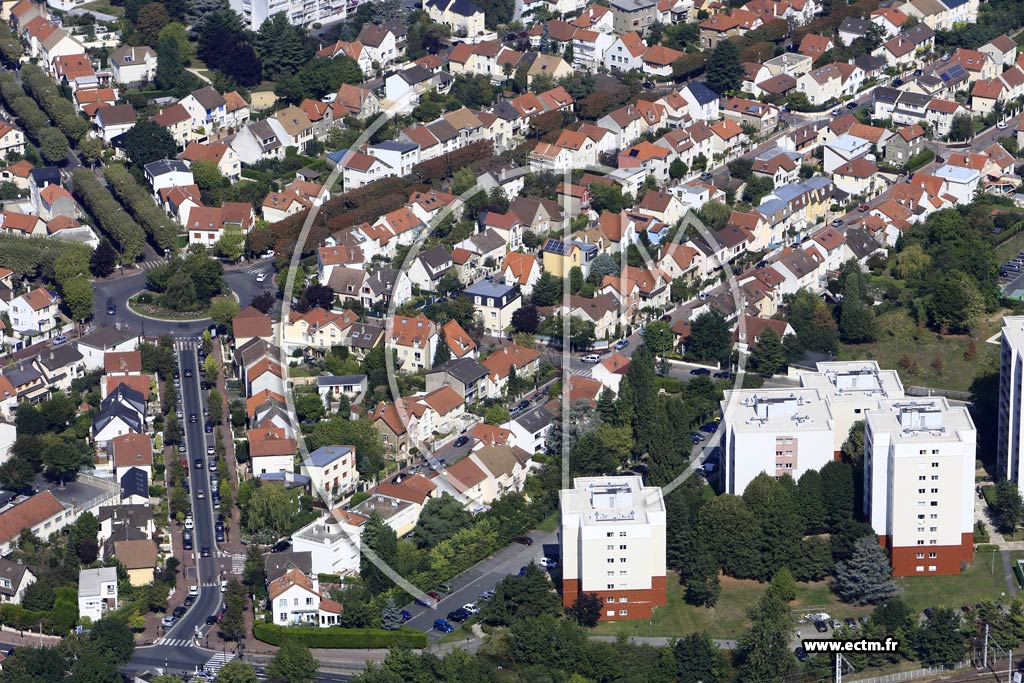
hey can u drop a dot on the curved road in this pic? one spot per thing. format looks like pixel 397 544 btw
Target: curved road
pixel 241 282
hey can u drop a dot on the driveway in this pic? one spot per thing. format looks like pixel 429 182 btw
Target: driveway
pixel 481 577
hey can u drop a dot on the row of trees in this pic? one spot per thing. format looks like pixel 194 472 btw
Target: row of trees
pixel 101 205
pixel 123 185
pixel 52 144
pixel 65 264
pixel 61 111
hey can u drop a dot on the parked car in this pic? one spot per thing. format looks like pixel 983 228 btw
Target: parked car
pixel 459 615
pixel 548 562
pixel 189 523
pixel 487 594
pixel 698 436
pixel 59 339
pixel 1001 125
pixel 621 344
pixel 820 626
pixel 709 428
pixel 210 450
pixel 837 222
pixel 461 441
pixel 591 358
pixel 186 542
pixel 445 588
pixel 181 448
pixel 850 621
pixel 863 207
pixel 700 371
pixel 695 439
pixel 199 463
pixel 213 464
pixel 406 615
pixel 167 622
pixel 851 105
pixel 190 600
pixel 179 612
pixel 208 427
pixel 837 112
pixel 724 374
pixel 219 535
pixel 801 653
pixel 471 608
pixel 523 540
pixel 211 620
pixel 443 626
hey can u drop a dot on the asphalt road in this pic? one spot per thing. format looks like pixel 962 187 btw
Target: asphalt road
pixel 207 568
pixel 483 576
pixel 241 282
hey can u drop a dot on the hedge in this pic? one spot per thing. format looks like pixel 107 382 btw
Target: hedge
pixel 334 638
pixel 922 158
pixel 109 214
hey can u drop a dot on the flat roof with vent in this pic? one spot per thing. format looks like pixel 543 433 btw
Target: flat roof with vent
pixel 850 381
pixel 611 500
pixel 385 506
pixel 923 419
pixel 789 410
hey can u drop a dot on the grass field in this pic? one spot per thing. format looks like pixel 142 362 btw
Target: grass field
pixel 549 523
pixel 983 580
pixel 1010 247
pixel 104 7
pixel 939 361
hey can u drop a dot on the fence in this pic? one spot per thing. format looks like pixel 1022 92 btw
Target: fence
pixel 929 391
pixel 911 675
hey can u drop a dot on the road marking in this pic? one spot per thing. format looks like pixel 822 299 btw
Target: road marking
pixel 217 662
pixel 580 372
pixel 175 642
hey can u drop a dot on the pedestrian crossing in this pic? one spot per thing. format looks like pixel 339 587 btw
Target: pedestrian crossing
pixel 187 343
pixel 237 564
pixel 580 372
pixel 175 642
pixel 217 661
pixel 150 265
pixel 255 268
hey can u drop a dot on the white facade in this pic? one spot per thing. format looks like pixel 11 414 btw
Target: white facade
pixel 97 592
pixel 776 432
pixel 919 483
pixel 613 543
pixel 1011 369
pixel 332 544
pixel 851 389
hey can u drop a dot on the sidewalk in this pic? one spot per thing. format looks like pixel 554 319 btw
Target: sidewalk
pixel 233 541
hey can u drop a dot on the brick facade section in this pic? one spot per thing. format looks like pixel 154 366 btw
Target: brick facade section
pixel 640 603
pixel 947 561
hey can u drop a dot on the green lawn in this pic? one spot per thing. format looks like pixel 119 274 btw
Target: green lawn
pixel 1010 248
pixel 901 341
pixel 983 580
pixel 549 524
pixel 103 6
pixel 728 618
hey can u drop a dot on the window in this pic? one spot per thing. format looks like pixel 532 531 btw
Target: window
pixel 622 560
pixel 611 560
pixel 623 612
pixel 610 534
pixel 920 542
pixel 611 586
pixel 932 568
pixel 935 490
pixel 622 573
pixel 622 534
pixel 933 555
pixel 920 490
pixel 921 478
pixel 933 542
pixel 611 547
pixel 933 516
pixel 920 556
pixel 309 601
pixel 919 568
pixel 935 464
pixel 622 547
pixel 933 529
pixel 935 477
pixel 610 613
pixel 920 516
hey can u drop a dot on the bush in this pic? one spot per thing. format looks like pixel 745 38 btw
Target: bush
pixel 920 159
pixel 340 638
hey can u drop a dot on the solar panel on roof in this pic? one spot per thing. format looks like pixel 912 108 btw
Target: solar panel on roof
pixel 555 247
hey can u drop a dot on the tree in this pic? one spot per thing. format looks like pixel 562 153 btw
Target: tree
pixel 92 667
pixel 547 291
pixel 710 337
pixel 147 141
pixel 62 460
pixel 440 519
pixel 152 18
pixel 391 616
pixel 28 420
pixel 223 310
pixel 838 492
pixel 231 244
pixel 768 357
pixel 1008 509
pixel 853 448
pixel 16 474
pixel 443 353
pixel 697 659
pixel 962 127
pixel 496 414
pixel 77 296
pixel 103 259
pixel 237 671
pixel 526 319
pixel 113 639
pixel 724 68
pixel 783 585
pixel 381 539
pixel 263 302
pixel 813 324
pixel 677 169
pixel 866 577
pixel 955 303
pixel 207 174
pixel 941 639
pixel 293 663
pixel 38 597
pixel 658 337
pixel 811 503
pixel 529 595
pixel 270 510
pixel 53 145
pixel 764 652
pixel 281 46
pixel 586 609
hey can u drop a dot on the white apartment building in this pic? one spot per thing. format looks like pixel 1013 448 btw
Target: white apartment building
pixel 299 12
pixel 775 431
pixel 333 542
pixel 613 544
pixel 919 483
pixel 97 592
pixel 1011 369
pixel 851 388
pixel 332 471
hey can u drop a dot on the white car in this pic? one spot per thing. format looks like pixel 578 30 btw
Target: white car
pixel 1001 125
pixel 193 590
pixel 223 585
pixel 189 524
pixel 471 608
pixel 548 562
pixel 261 277
pixel 592 358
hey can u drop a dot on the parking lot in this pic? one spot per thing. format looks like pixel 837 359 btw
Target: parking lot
pixel 468 586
